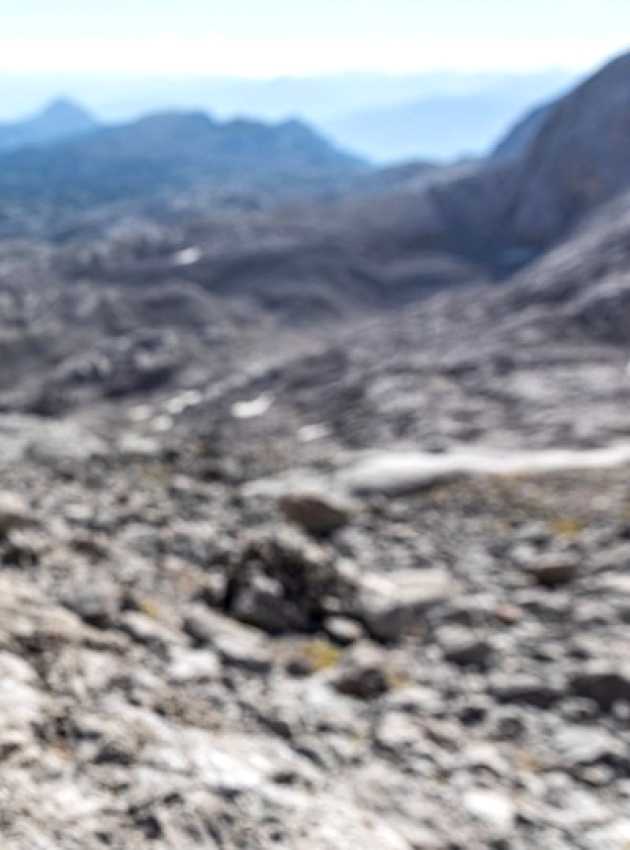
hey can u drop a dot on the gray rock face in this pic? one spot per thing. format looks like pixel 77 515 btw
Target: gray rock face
pixel 568 160
pixel 575 162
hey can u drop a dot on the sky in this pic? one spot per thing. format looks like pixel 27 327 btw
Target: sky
pixel 269 38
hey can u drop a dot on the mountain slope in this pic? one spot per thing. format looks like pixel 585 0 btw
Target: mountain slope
pixel 507 211
pixel 579 158
pixel 61 119
pixel 516 141
pixel 583 284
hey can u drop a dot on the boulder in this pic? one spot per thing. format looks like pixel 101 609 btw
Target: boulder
pixel 14 512
pixel 605 685
pixel 492 808
pixel 317 512
pixel 390 605
pixel 364 673
pixel 235 644
pixel 462 647
pixel 553 570
pixel 280 582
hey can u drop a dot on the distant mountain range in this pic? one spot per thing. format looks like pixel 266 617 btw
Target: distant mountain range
pixel 167 151
pixel 555 165
pixel 61 119
pixel 384 117
pixel 546 211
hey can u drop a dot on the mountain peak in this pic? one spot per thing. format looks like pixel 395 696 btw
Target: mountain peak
pixel 59 119
pixel 64 108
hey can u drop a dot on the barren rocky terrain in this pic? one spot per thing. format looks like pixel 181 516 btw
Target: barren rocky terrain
pixel 314 532
pixel 229 623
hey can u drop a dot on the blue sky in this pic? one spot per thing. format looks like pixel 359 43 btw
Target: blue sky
pixel 265 38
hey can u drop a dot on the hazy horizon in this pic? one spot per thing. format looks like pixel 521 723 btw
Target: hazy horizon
pixel 279 38
pixel 362 73
pixel 379 117
pixel 121 98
